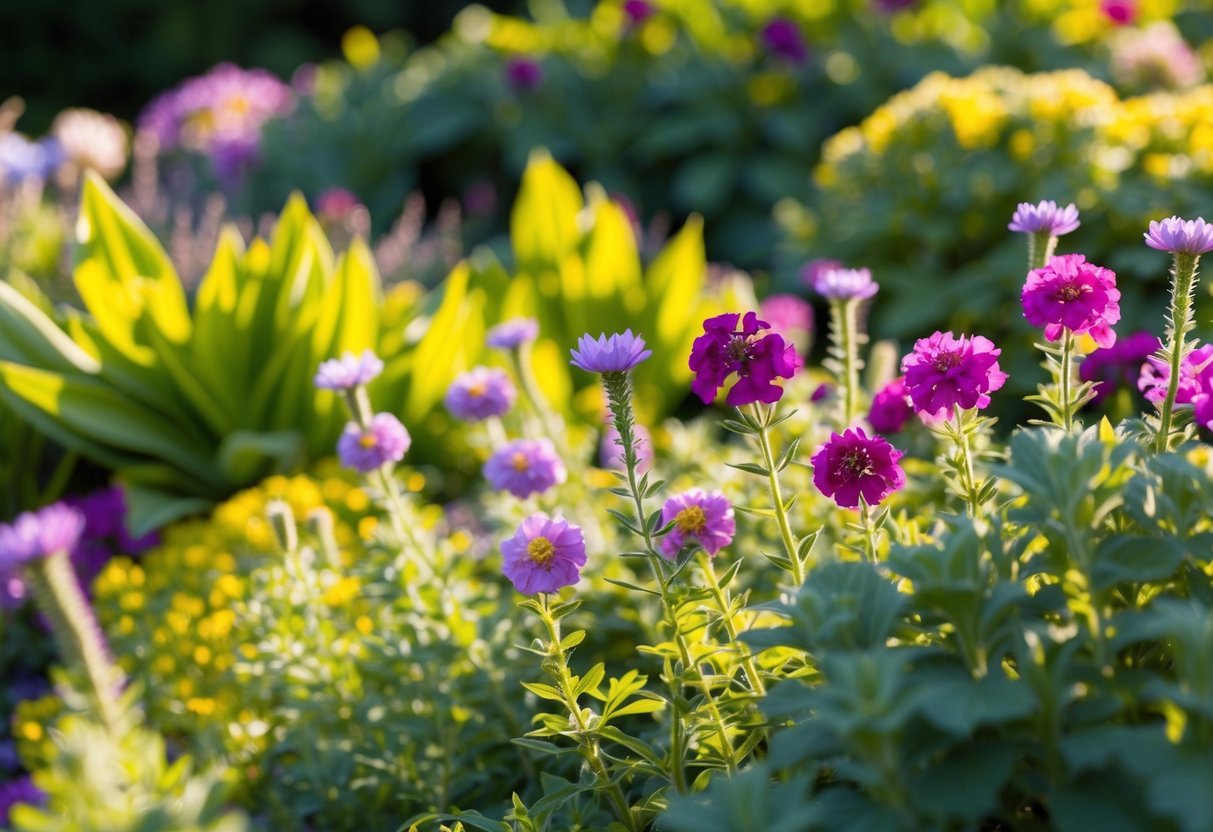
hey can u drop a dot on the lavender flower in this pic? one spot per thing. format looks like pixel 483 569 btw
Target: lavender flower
pixel 512 334
pixel 348 371
pixel 385 441
pixel 845 284
pixel 1044 218
pixel 811 271
pixel 21 159
pixel 616 354
pixel 1178 236
pixel 701 517
pixel 544 555
pixel 480 393
pixel 525 467
pixel 39 534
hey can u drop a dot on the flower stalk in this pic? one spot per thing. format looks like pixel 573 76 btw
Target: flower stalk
pixel 1180 321
pixel 761 422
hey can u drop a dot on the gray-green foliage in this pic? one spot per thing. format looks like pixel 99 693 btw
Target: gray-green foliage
pixel 1048 667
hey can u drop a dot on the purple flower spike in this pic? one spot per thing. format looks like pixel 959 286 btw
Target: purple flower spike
pixel 1190 237
pixel 348 371
pixel 525 467
pixel 723 349
pixel 853 465
pixel 39 534
pixel 513 333
pixel 1070 293
pixel 1044 218
pixel 701 517
pixel 944 372
pixel 616 354
pixel 544 555
pixel 845 284
pixel 386 441
pixel 480 393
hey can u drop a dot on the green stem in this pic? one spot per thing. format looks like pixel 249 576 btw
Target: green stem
pixel 1183 284
pixel 397 512
pixel 521 360
pixel 965 451
pixel 1040 249
pixel 726 613
pixel 845 320
pixel 76 632
pixel 587 739
pixel 1066 380
pixel 869 530
pixel 781 514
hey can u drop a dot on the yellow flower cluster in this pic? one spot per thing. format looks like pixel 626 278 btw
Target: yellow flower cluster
pixel 171 616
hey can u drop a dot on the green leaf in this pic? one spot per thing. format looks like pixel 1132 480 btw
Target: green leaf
pixel 150 510
pixel 28 336
pixel 246 456
pixel 1135 559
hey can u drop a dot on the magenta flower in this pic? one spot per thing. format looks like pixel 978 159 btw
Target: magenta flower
pixel 385 441
pixel 637 11
pixel 782 38
pixel 544 555
pixel 891 407
pixel 944 372
pixel 39 534
pixel 523 73
pixel 335 204
pixel 1119 12
pixel 821 392
pixel 480 393
pixel 525 467
pixel 853 465
pixel 616 354
pixel 845 284
pixel 348 371
pixel 792 317
pixel 1070 293
pixel 1119 363
pixel 512 334
pixel 1191 237
pixel 1195 376
pixel 701 517
pixel 723 350
pixel 610 452
pixel 1044 218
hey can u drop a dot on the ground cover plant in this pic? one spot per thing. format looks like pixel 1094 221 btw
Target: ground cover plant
pixel 588 534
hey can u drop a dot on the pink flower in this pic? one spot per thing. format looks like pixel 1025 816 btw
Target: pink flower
pixel 39 534
pixel 480 393
pixel 1070 293
pixel 1195 376
pixel 698 517
pixel 891 407
pixel 944 372
pixel 723 350
pixel 853 465
pixel 792 317
pixel 1119 12
pixel 544 555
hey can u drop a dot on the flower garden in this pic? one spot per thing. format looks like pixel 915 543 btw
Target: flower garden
pixel 645 415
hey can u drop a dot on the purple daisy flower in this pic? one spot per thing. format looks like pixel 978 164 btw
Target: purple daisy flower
pixel 783 39
pixel 480 393
pixel 699 516
pixel 544 555
pixel 1044 218
pixel 1118 364
pixel 845 284
pixel 1195 376
pixel 853 465
pixel 348 371
pixel 944 372
pixel 512 334
pixel 891 407
pixel 525 467
pixel 616 354
pixel 385 441
pixel 1070 293
pixel 1191 237
pixel 723 350
pixel 39 534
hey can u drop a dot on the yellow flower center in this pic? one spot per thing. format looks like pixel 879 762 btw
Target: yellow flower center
pixel 477 390
pixel 367 440
pixel 519 461
pixel 691 520
pixel 541 551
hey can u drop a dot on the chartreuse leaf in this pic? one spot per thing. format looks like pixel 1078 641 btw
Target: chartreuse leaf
pixel 217 349
pixel 128 257
pixel 29 336
pixel 91 409
pixel 543 222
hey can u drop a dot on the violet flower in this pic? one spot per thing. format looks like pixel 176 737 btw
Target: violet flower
pixel 853 465
pixel 384 441
pixel 512 334
pixel 1044 218
pixel 891 407
pixel 349 371
pixel 480 393
pixel 724 350
pixel 617 354
pixel 525 467
pixel 701 517
pixel 1179 236
pixel 544 555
